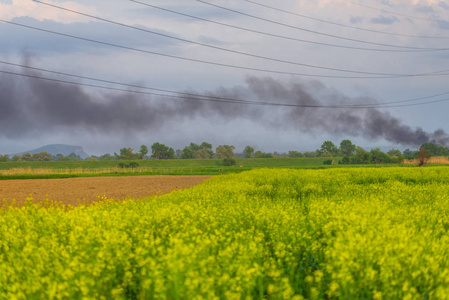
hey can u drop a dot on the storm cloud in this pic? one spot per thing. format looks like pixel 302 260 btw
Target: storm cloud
pixel 33 107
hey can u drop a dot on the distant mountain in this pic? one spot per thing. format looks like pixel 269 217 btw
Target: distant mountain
pixel 59 149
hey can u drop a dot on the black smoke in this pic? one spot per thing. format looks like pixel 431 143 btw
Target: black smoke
pixel 33 107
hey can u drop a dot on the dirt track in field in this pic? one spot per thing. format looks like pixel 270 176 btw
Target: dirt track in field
pixel 74 191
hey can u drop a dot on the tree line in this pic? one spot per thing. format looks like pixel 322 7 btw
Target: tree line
pixel 347 152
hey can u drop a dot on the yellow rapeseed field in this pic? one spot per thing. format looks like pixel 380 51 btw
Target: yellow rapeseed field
pixel 359 233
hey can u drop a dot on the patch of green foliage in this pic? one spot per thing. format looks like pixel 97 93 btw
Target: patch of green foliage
pixel 153 167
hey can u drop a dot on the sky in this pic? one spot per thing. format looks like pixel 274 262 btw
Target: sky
pixel 275 75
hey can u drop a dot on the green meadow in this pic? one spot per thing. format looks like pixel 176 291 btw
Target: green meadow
pixel 66 169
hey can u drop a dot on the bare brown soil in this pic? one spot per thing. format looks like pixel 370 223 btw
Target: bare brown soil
pixel 74 191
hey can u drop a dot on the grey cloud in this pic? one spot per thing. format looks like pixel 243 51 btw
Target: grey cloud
pixel 384 20
pixel 201 11
pixel 20 38
pixel 210 40
pixel 442 24
pixel 444 5
pixel 30 107
pixel 385 2
pixel 424 9
pixel 355 20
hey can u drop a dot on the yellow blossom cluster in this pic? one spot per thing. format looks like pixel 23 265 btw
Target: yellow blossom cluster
pixel 346 233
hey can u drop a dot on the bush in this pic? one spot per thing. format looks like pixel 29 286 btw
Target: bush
pixel 423 156
pixel 327 162
pixel 345 160
pixel 229 162
pixel 131 165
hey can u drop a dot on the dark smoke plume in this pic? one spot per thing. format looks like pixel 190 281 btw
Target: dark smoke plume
pixel 36 107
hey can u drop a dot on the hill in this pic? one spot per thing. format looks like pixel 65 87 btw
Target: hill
pixel 59 149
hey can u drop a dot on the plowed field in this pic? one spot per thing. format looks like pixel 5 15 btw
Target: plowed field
pixel 74 191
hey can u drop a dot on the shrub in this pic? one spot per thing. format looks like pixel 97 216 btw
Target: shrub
pixel 345 160
pixel 131 165
pixel 423 157
pixel 229 162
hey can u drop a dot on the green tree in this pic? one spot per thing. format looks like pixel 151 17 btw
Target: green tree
pixel 328 148
pixel 128 154
pixel 229 162
pixel 258 154
pixel 360 156
pixel 208 148
pixel 45 156
pixel 407 152
pixel 25 157
pixel 187 153
pixel 347 148
pixel 178 153
pixel 160 151
pixel 202 154
pixel 202 151
pixel 143 151
pixel 74 157
pixel 345 160
pixel 431 147
pixel 310 154
pixel 394 152
pixel 277 154
pixel 225 151
pixel 442 151
pixel 325 154
pixel 378 157
pixel 194 147
pixel 41 156
pixel 248 151
pixel 435 150
pixel 295 154
pixel 106 156
pixel 4 158
pixel 59 157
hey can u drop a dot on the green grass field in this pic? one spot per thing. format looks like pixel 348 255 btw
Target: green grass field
pixel 66 169
pixel 341 233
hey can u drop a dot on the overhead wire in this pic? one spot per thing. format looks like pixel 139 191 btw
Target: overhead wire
pixel 185 94
pixel 342 25
pixel 208 98
pixel 379 75
pixel 220 48
pixel 391 12
pixel 202 98
pixel 304 29
pixel 286 37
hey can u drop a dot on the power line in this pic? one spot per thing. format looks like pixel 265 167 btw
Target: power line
pixel 201 98
pixel 115 82
pixel 209 98
pixel 220 48
pixel 380 75
pixel 391 12
pixel 344 25
pixel 286 37
pixel 307 30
